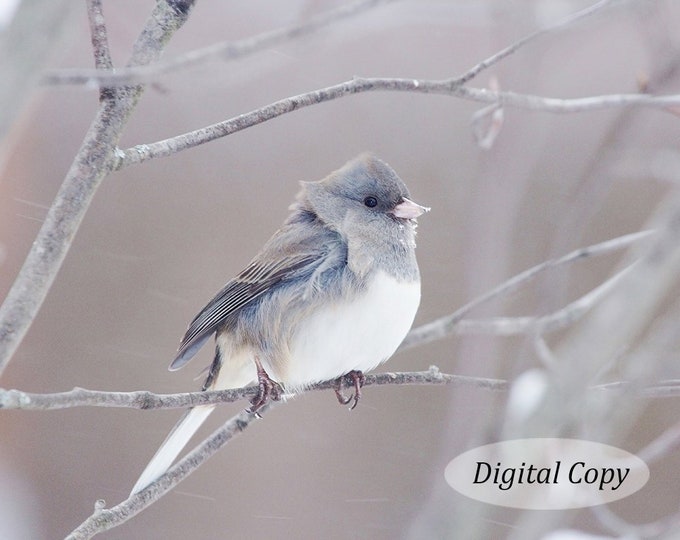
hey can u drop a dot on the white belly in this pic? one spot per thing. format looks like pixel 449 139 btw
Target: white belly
pixel 356 335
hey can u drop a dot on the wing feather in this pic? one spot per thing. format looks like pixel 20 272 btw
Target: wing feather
pixel 264 272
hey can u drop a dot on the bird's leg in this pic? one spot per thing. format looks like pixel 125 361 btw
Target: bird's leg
pixel 358 379
pixel 267 389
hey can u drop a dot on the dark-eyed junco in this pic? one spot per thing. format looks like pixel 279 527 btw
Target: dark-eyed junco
pixel 332 293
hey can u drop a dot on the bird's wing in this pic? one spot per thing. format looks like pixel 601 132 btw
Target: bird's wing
pixel 269 268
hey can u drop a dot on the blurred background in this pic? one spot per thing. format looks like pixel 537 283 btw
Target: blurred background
pixel 162 237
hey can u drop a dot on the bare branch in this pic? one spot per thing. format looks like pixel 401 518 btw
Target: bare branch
pixel 613 325
pixel 93 162
pixel 224 51
pixel 662 389
pixel 573 105
pixel 103 519
pixel 447 325
pixel 487 122
pixel 509 326
pixel 100 40
pixel 144 400
pixel 510 49
pixel 453 86
pixel 232 50
pixel 450 87
pixel 80 397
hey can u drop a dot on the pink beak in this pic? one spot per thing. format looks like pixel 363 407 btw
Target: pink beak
pixel 407 209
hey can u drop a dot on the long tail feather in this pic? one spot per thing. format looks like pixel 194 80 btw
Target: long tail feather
pixel 173 444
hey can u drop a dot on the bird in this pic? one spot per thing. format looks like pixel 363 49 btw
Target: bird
pixel 331 295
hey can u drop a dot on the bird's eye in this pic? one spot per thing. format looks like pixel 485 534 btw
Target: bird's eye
pixel 371 202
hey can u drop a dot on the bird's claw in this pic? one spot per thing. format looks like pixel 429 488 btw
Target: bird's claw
pixel 267 389
pixel 358 378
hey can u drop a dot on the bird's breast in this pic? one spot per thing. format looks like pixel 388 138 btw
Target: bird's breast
pixel 353 334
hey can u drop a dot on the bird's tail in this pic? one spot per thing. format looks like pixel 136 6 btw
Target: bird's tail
pixel 173 444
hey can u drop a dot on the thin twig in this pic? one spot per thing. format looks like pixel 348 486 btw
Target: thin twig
pixel 663 389
pixel 144 400
pixel 231 50
pixel 100 40
pixel 453 86
pixel 487 122
pixel 92 163
pixel 222 51
pixel 510 49
pixel 81 397
pixel 569 105
pixel 559 319
pixel 444 326
pixel 449 87
pixel 103 519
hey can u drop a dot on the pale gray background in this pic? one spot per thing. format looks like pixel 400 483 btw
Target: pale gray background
pixel 162 237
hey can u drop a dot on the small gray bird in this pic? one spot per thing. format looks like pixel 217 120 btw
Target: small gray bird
pixel 332 293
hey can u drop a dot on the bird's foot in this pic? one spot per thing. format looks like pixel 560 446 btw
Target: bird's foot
pixel 267 389
pixel 358 378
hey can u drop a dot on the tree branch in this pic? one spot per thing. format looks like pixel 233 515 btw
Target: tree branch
pixel 224 51
pixel 103 519
pixel 450 87
pixel 80 397
pixel 510 49
pixel 98 33
pixel 232 50
pixel 454 86
pixel 145 400
pixel 444 326
pixel 561 318
pixel 94 161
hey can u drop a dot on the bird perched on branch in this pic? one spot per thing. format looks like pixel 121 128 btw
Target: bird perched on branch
pixel 331 295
